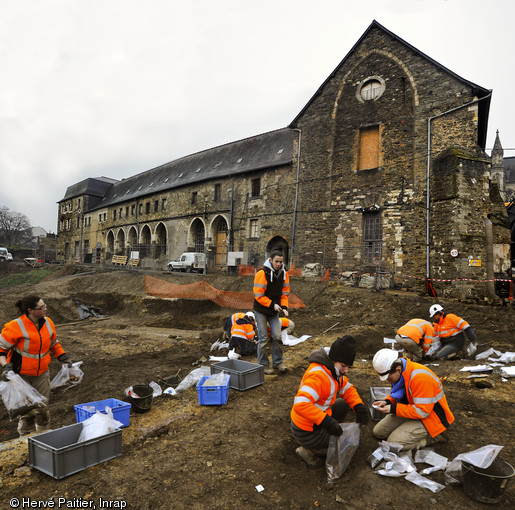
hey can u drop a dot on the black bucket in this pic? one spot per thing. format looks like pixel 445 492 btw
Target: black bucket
pixel 141 397
pixel 486 485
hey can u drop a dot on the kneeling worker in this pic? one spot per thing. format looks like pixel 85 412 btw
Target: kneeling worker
pixel 416 336
pixel 242 335
pixel 416 408
pixel 317 408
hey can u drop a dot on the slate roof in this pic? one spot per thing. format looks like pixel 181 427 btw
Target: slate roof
pixel 267 150
pixel 92 186
pixel 483 106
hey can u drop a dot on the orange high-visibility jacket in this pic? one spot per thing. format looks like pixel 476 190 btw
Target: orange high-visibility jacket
pixel 285 322
pixel 22 342
pixel 420 331
pixel 270 288
pixel 245 330
pixel 236 316
pixel 317 393
pixel 426 399
pixel 449 325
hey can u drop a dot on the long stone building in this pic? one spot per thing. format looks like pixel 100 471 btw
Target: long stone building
pixel 383 169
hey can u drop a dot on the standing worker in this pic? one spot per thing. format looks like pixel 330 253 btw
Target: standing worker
pixel 416 408
pixel 451 331
pixel 25 347
pixel 415 336
pixel 287 325
pixel 242 335
pixel 318 408
pixel 271 291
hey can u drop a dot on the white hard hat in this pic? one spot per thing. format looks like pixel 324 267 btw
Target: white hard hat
pixel 382 362
pixel 434 309
pixel 251 315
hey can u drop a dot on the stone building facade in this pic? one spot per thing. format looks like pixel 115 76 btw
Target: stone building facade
pixel 383 170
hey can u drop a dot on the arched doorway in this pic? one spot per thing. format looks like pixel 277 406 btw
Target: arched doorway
pixel 279 243
pixel 119 246
pixel 109 245
pixel 160 240
pixel 145 242
pixel 198 235
pixel 98 253
pixel 220 230
pixel 132 240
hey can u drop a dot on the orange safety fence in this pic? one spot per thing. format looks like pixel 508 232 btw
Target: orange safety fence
pixel 202 290
pixel 244 270
pixel 294 272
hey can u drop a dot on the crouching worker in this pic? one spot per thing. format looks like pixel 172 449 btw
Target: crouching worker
pixel 416 337
pixel 231 320
pixel 243 335
pixel 416 408
pixel 318 407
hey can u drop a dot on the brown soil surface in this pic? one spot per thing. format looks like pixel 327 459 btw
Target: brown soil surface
pixel 183 455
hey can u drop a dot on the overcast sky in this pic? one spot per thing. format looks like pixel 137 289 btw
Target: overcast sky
pixel 116 87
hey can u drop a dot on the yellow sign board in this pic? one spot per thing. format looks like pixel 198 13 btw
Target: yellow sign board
pixel 475 262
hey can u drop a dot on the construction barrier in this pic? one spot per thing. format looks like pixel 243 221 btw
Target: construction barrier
pixel 202 290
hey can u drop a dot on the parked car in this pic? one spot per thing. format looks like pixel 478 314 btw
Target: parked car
pixel 4 254
pixel 189 261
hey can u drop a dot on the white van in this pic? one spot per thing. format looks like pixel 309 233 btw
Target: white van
pixel 189 261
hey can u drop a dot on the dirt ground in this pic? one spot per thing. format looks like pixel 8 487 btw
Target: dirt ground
pixel 183 455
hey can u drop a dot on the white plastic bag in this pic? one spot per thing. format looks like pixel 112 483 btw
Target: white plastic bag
pixel 156 389
pixel 481 458
pixel 341 450
pixel 98 425
pixel 67 377
pixel 193 378
pixel 19 396
pixel 219 379
pixel 424 482
pixel 434 347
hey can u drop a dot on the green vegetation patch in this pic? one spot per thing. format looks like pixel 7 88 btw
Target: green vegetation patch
pixel 33 276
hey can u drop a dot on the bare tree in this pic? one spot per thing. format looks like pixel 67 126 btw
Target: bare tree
pixel 15 228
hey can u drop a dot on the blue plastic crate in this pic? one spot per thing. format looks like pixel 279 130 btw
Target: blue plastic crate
pixel 121 410
pixel 213 395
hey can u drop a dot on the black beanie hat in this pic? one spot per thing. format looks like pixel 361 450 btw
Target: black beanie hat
pixel 343 350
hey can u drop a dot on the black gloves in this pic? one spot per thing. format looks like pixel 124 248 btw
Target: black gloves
pixel 64 358
pixel 7 368
pixel 361 414
pixel 332 426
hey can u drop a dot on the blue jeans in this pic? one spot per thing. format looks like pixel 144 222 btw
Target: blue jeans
pixel 262 322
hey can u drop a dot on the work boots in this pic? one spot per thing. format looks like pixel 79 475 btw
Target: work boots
pixel 309 457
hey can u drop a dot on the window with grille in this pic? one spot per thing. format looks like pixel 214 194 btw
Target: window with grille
pixel 218 192
pixel 372 238
pixel 256 187
pixel 147 208
pixel 254 229
pixel 194 196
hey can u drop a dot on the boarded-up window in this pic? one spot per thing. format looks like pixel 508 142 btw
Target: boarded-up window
pixel 372 238
pixel 368 148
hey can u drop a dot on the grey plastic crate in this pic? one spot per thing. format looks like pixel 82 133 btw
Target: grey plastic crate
pixel 58 454
pixel 244 375
pixel 377 393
